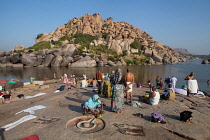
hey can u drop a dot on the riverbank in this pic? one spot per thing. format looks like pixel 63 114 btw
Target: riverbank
pixel 66 105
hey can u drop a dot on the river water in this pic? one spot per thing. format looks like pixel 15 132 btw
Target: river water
pixel 142 73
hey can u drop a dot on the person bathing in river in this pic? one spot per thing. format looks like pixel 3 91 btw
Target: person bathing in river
pixel 129 78
pixel 92 104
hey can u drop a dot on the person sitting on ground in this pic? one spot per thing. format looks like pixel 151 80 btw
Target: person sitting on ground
pixel 92 104
pixel 153 99
pixel 184 86
pixel 161 83
pixel 6 98
pixel 84 83
pixel 169 94
pixel 93 83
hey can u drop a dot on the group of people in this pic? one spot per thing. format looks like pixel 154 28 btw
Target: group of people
pixel 119 84
pixel 167 81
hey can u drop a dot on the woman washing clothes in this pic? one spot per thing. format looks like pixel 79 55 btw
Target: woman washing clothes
pixel 92 104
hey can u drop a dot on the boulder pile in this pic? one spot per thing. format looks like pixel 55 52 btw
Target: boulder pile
pixel 117 35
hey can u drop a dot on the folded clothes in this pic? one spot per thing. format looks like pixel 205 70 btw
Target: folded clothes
pixel 20 95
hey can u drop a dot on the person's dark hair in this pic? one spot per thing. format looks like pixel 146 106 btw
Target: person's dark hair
pixel 192 73
pixel 128 70
pixel 170 86
pixel 153 88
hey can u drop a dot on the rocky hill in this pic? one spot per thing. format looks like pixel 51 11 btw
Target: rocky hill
pixel 89 41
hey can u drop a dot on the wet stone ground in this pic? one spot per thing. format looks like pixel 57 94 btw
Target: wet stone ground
pixel 52 122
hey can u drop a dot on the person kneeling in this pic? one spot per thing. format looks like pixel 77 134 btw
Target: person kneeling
pixel 92 104
pixel 170 94
pixel 154 97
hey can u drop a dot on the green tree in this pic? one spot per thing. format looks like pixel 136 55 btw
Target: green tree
pixel 136 45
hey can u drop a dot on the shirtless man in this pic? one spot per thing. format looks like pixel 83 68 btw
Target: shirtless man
pixel 189 77
pixel 129 78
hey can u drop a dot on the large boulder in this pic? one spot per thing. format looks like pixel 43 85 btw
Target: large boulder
pixel 39 59
pixel 205 61
pixel 116 47
pixel 19 48
pixel 156 57
pixel 118 63
pixel 29 60
pixel 2 53
pixel 69 50
pixel 148 52
pixel 5 59
pixel 166 60
pixel 123 62
pixel 55 52
pixel 100 64
pixel 110 63
pixel 15 58
pixel 48 59
pixel 66 61
pixel 42 52
pixel 56 62
pixel 84 62
pixel 77 58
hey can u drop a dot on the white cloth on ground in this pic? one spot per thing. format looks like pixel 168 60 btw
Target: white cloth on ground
pixel 192 86
pixel 56 91
pixel 32 109
pixel 184 92
pixel 21 120
pixel 39 94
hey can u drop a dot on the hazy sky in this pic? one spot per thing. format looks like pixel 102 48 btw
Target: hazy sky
pixel 175 23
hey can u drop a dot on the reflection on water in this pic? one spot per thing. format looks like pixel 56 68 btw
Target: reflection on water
pixel 142 73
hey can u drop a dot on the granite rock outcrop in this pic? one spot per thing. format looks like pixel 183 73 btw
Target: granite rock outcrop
pixel 117 35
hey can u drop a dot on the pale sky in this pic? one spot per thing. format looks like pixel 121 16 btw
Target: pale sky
pixel 175 23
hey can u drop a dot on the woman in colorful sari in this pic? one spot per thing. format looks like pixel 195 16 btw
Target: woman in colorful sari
pixel 107 90
pixel 117 101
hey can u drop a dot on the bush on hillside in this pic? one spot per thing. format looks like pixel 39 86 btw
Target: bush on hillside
pixel 104 35
pixel 63 38
pixel 135 45
pixel 58 43
pixel 83 39
pixel 39 36
pixel 41 45
pixel 128 61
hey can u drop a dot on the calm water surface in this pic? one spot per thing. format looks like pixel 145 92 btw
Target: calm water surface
pixel 142 73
